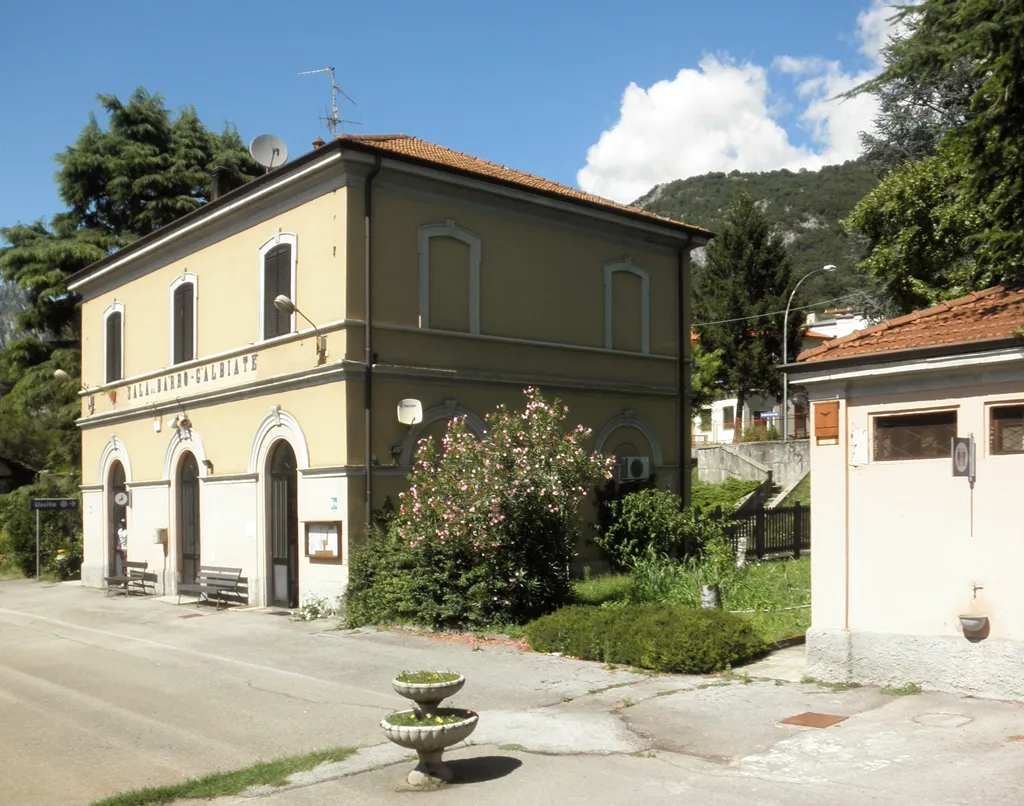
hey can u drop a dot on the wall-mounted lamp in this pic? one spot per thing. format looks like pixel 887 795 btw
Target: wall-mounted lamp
pixel 286 306
pixel 63 377
pixel 208 465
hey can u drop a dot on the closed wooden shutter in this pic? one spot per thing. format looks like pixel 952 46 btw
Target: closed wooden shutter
pixel 277 279
pixel 826 420
pixel 114 347
pixel 184 323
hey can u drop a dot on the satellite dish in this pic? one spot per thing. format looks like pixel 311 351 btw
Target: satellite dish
pixel 269 151
pixel 410 411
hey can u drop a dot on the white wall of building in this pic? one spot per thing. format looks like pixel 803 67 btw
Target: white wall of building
pixel 903 548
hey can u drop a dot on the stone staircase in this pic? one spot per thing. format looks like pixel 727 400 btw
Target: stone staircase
pixel 780 494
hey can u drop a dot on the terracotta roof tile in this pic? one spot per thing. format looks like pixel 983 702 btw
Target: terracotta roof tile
pixel 406 146
pixel 991 314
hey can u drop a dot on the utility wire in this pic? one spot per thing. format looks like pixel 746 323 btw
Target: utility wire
pixel 773 313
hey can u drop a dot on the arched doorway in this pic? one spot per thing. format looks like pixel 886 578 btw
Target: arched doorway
pixel 283 526
pixel 188 518
pixel 116 513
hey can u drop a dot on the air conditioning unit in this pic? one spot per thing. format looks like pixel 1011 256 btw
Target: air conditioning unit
pixel 633 468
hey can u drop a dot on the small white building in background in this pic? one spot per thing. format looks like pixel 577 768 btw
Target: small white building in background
pixel 918 547
pixel 719 422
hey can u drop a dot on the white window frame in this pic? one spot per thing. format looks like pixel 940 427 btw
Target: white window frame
pixel 626 264
pixel 114 307
pixel 449 229
pixel 279 238
pixel 186 277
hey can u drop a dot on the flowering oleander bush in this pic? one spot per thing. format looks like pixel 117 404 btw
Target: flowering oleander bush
pixel 487 530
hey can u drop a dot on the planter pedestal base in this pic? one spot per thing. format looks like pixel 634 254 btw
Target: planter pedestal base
pixel 430 771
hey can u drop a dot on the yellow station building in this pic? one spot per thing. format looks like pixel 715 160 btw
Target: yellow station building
pixel 229 430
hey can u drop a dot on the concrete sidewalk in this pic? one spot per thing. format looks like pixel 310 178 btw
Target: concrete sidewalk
pixel 103 695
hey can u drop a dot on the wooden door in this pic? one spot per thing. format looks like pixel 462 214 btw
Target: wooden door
pixel 284 527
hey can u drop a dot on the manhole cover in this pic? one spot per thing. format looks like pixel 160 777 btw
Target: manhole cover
pixel 939 720
pixel 813 720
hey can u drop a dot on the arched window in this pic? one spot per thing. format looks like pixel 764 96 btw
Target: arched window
pixel 449 264
pixel 277 261
pixel 627 307
pixel 183 319
pixel 113 342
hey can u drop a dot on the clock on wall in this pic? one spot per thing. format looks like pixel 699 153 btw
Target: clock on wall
pixel 121 498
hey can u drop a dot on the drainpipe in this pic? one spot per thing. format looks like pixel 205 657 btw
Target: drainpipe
pixel 684 364
pixel 368 339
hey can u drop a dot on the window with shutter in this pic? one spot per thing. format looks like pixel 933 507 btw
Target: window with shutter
pixel 183 325
pixel 115 348
pixel 277 279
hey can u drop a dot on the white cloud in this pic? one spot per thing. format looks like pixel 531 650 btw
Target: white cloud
pixel 723 116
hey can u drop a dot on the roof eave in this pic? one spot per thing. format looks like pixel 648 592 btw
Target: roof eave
pixel 692 232
pixel 207 209
pixel 899 356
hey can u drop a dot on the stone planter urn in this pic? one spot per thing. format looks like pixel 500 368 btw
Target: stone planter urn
pixel 427 739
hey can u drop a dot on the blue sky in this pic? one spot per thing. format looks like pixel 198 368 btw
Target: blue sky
pixel 586 93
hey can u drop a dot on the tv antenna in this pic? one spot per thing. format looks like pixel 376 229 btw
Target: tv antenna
pixel 333 119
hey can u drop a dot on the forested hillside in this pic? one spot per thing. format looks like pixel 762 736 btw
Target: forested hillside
pixel 806 205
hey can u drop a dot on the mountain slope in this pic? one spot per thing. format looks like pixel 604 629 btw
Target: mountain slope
pixel 806 205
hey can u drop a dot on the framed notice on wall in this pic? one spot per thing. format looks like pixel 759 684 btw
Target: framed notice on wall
pixel 323 540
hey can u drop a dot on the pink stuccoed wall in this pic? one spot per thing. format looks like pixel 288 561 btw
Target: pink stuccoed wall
pixel 899 545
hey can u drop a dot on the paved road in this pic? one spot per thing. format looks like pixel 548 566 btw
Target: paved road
pixel 100 695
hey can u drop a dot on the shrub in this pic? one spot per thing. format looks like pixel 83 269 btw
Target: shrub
pixel 662 637
pixel 60 532
pixel 760 433
pixel 380 580
pixel 487 530
pixel 657 578
pixel 314 607
pixel 648 520
pixel 708 497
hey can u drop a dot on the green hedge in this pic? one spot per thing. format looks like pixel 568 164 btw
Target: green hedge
pixel 661 637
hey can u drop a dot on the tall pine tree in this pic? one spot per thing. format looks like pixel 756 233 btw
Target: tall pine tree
pixel 743 284
pixel 146 168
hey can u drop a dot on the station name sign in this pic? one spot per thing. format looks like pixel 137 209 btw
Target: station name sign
pixel 212 374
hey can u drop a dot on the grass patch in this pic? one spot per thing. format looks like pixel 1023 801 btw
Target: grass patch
pixel 9 571
pixel 775 627
pixel 847 686
pixel 428 676
pixel 769 585
pixel 902 691
pixel 801 494
pixel 725 495
pixel 601 589
pixel 223 784
pixel 764 588
pixel 442 716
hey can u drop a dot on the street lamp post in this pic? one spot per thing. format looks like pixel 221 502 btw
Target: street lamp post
pixel 785 350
